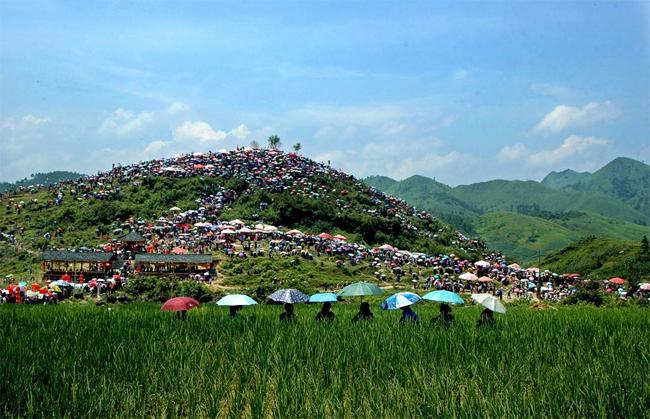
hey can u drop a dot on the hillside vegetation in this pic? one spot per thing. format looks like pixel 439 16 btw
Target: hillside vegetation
pixel 49 178
pixel 526 218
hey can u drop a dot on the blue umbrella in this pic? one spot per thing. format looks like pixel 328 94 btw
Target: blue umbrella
pixel 323 297
pixel 399 300
pixel 444 297
pixel 288 296
pixel 236 300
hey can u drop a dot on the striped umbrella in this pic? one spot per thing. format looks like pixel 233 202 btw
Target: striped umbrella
pixel 399 300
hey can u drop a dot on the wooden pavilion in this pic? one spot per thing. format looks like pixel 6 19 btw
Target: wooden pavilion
pixel 173 265
pixel 55 264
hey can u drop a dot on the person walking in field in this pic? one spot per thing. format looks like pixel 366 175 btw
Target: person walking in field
pixel 445 318
pixel 325 313
pixel 364 313
pixel 487 318
pixel 288 314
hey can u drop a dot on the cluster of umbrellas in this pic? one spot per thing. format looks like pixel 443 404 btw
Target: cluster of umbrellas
pixel 358 289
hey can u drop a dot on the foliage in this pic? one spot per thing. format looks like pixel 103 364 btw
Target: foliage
pixel 161 289
pixel 274 142
pixel 135 361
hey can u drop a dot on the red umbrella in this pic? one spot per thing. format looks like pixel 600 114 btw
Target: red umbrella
pixel 326 236
pixel 66 278
pixel 179 251
pixel 617 281
pixel 179 304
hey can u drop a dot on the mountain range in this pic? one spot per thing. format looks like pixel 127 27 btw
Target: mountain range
pixel 529 219
pixel 49 178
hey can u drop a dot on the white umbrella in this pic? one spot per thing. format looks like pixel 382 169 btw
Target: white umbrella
pixel 236 222
pixel 174 209
pixel 244 230
pixel 482 264
pixel 468 276
pixel 294 233
pixel 266 228
pixel 228 232
pixel 489 301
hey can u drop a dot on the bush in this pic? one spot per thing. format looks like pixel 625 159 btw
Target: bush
pixel 161 289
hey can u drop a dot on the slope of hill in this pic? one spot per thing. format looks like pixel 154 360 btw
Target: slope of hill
pixel 598 258
pixel 255 185
pixel 566 206
pixel 49 178
pixel 527 236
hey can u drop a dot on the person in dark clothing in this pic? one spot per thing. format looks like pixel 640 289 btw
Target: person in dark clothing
pixel 408 315
pixel 487 318
pixel 325 313
pixel 364 313
pixel 288 314
pixel 445 318
pixel 233 311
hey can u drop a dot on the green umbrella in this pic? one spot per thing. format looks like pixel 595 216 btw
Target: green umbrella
pixel 359 289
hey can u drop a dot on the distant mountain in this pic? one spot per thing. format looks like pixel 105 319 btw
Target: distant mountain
pixel 526 217
pixel 560 180
pixel 49 178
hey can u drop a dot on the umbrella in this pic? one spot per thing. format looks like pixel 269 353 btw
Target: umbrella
pixel 482 264
pixel 179 304
pixel 326 236
pixel 60 283
pixel 399 300
pixel 340 237
pixel 288 296
pixel 179 251
pixel 617 281
pixel 485 279
pixel 468 276
pixel 645 286
pixel 236 300
pixel 175 209
pixel 532 269
pixel 323 297
pixel 514 266
pixel 228 231
pixel 444 297
pixel 387 247
pixel 294 233
pixel 266 228
pixel 237 222
pixel 488 301
pixel 245 230
pixel 359 289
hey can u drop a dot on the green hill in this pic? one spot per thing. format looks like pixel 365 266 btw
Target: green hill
pixel 49 178
pixel 598 258
pixel 524 217
pixel 526 236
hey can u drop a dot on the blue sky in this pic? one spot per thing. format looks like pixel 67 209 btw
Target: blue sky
pixel 459 91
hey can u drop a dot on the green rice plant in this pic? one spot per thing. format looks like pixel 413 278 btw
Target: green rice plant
pixel 133 361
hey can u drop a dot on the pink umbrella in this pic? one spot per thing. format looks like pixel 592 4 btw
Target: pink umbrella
pixel 617 281
pixel 340 237
pixel 485 279
pixel 326 236
pixel 179 304
pixel 179 251
pixel 645 287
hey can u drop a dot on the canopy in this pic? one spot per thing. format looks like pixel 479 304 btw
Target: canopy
pixel 323 297
pixel 359 289
pixel 180 304
pixel 489 301
pixel 444 297
pixel 288 296
pixel 399 300
pixel 468 276
pixel 236 300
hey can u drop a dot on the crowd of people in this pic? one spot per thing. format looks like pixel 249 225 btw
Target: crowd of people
pixel 202 229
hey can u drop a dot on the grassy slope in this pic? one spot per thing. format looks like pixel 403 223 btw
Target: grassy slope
pixel 599 258
pixel 523 236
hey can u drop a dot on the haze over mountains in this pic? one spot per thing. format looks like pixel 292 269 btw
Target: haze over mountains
pixel 528 218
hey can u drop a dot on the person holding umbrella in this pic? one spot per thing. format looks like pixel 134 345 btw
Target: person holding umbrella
pixel 445 318
pixel 408 315
pixel 325 313
pixel 288 314
pixel 364 313
pixel 486 319
pixel 233 311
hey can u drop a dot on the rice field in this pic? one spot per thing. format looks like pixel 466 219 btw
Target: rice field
pixel 133 361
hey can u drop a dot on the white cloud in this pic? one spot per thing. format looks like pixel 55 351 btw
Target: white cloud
pixel 177 107
pixel 34 120
pixel 124 122
pixel 198 130
pixel 564 116
pixel 571 146
pixel 241 132
pixel 514 152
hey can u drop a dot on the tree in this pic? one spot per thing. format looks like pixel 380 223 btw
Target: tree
pixel 255 144
pixel 274 142
pixel 645 248
pixel 297 147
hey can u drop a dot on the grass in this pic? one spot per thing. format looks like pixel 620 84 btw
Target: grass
pixel 84 361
